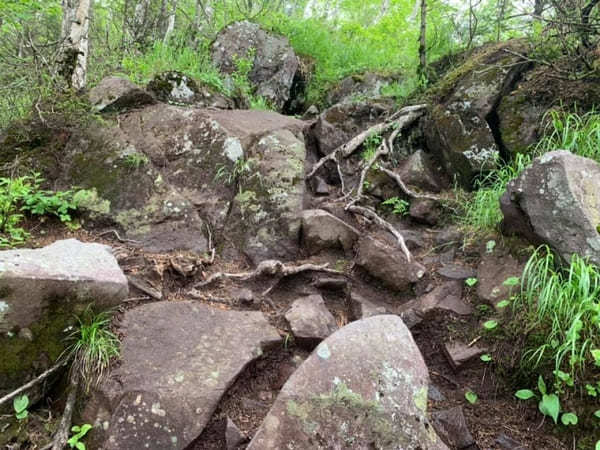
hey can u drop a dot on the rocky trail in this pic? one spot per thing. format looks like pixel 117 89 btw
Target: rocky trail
pixel 264 297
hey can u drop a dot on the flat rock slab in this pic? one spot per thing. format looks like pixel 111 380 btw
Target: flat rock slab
pixel 41 291
pixel 321 230
pixel 177 361
pixel 363 387
pixel 445 298
pixel 492 275
pixel 459 354
pixel 363 308
pixel 452 427
pixel 310 320
pixel 457 272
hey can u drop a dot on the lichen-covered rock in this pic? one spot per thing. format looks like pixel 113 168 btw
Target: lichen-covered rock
pixel 340 123
pixel 41 290
pixel 177 361
pixel 274 63
pixel 117 94
pixel 321 230
pixel 177 88
pixel 388 264
pixel 167 172
pixel 360 87
pixel 310 320
pixel 458 127
pixel 556 201
pixel 363 387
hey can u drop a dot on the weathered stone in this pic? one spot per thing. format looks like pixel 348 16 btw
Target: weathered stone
pixel 418 171
pixel 557 202
pixel 449 236
pixel 388 264
pixel 331 283
pixel 459 353
pixel 492 273
pixel 457 272
pixel 321 230
pixel 364 386
pixel 507 443
pixel 425 210
pixel 177 88
pixel 360 87
pixel 233 436
pixel 274 62
pixel 340 123
pixel 363 308
pixel 445 298
pixel 458 128
pixel 319 186
pixel 451 426
pixel 310 320
pixel 117 94
pixel 177 361
pixel 41 290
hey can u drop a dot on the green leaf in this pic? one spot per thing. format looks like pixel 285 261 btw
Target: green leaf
pixel 490 324
pixel 597 414
pixel 598 445
pixel 524 394
pixel 512 281
pixel 471 282
pixel 550 406
pixel 485 358
pixel 80 446
pixel 471 397
pixel 541 385
pixel 596 356
pixel 569 419
pixel 503 304
pixel 21 403
pixel 22 415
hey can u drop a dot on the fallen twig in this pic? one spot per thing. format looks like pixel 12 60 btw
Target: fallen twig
pixel 33 382
pixel 119 238
pixel 394 176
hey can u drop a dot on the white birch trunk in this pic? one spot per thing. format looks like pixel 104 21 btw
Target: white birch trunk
pixel 75 36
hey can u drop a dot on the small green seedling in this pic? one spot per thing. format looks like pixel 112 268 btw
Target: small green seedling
pixel 490 246
pixel 79 432
pixel 490 325
pixel 503 304
pixel 486 358
pixel 598 445
pixel 471 282
pixel 20 405
pixel 471 397
pixel 569 419
pixel 597 414
pixel 512 281
pixel 399 206
pixel 549 405
pixel 524 394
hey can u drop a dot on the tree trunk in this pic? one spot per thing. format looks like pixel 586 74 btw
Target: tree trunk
pixel 170 22
pixel 538 8
pixel 585 22
pixel 422 70
pixel 140 21
pixel 383 10
pixel 75 41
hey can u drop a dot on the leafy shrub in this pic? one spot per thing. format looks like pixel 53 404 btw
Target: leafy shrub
pixel 399 206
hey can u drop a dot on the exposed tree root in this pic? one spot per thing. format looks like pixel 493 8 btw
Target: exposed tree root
pixel 32 383
pixel 62 434
pixel 394 176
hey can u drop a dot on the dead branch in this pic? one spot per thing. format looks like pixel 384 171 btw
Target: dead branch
pixel 399 120
pixel 119 238
pixel 396 177
pixel 33 382
pixel 370 214
pixel 62 434
pixel 270 267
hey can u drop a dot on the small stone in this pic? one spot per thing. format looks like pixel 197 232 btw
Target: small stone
pixel 411 318
pixel 311 112
pixel 459 354
pixel 243 296
pixel 451 426
pixel 492 273
pixel 425 211
pixel 25 333
pixel 457 272
pixel 331 284
pixel 449 236
pixel 363 308
pixel 233 436
pixel 508 443
pixel 434 394
pixel 445 298
pixel 321 230
pixel 319 186
pixel 310 320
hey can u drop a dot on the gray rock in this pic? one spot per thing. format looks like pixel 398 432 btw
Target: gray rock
pixel 321 230
pixel 363 308
pixel 425 211
pixel 457 272
pixel 319 186
pixel 557 202
pixel 310 320
pixel 364 386
pixel 449 236
pixel 117 94
pixel 418 171
pixel 42 290
pixel 451 426
pixel 388 264
pixel 274 63
pixel 233 436
pixel 445 298
pixel 459 354
pixel 506 442
pixel 359 87
pixel 177 88
pixel 492 273
pixel 177 361
pixel 435 395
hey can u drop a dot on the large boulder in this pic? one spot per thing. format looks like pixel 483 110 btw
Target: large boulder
pixel 116 94
pixel 360 87
pixel 166 174
pixel 41 291
pixel 274 62
pixel 177 88
pixel 177 361
pixel 458 127
pixel 363 387
pixel 556 201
